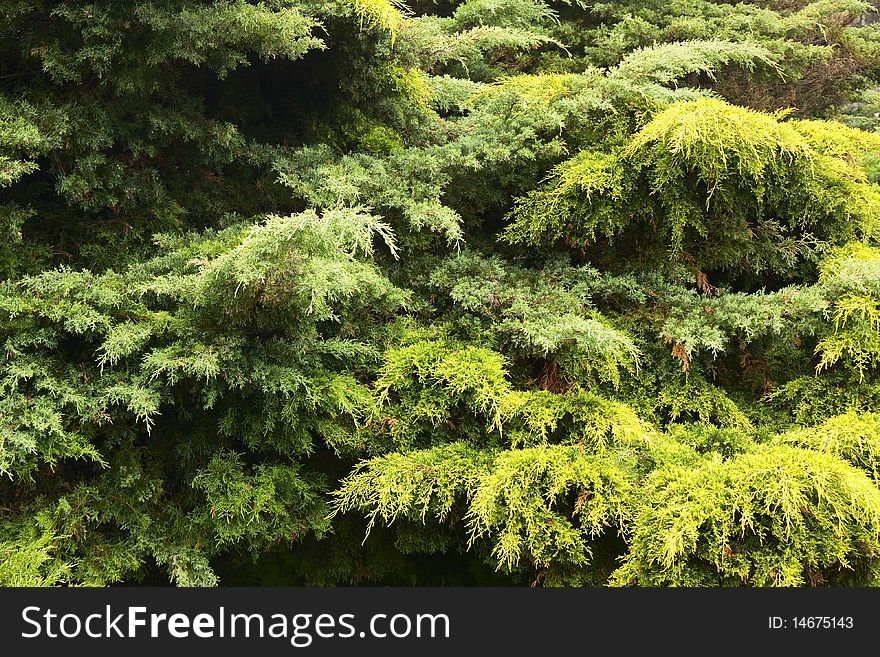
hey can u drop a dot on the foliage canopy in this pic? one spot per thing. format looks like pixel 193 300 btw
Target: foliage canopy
pixel 450 292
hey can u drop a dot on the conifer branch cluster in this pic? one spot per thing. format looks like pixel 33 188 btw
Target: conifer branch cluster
pixel 449 292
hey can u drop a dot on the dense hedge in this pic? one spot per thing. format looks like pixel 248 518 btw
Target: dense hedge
pixel 483 292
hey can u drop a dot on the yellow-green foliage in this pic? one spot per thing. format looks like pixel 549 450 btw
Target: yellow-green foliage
pixel 411 83
pixel 545 504
pixel 777 516
pixel 29 561
pixel 445 387
pixel 748 161
pixel 441 374
pixel 851 275
pixel 414 485
pixel 539 508
pixel 604 424
pixel 582 198
pixel 697 399
pixel 708 439
pixel 852 436
pixel 723 183
pixel 531 92
pixel 382 13
pixel 839 141
pixel 719 143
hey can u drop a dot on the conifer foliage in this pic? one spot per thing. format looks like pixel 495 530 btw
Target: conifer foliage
pixel 516 292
